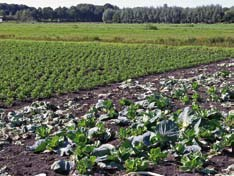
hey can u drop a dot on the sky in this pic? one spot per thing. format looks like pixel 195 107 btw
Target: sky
pixel 121 3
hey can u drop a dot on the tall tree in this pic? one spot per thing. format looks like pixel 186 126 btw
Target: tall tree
pixel 229 15
pixel 24 15
pixel 48 13
pixel 108 15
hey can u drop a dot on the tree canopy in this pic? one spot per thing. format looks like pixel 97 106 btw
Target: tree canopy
pixel 112 14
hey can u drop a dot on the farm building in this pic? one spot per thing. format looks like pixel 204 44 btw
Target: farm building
pixel 1 19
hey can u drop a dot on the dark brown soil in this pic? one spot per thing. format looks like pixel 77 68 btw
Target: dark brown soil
pixel 21 162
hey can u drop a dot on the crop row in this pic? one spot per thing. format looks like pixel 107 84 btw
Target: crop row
pixel 140 135
pixel 40 69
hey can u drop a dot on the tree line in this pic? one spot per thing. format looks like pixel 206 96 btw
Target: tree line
pixel 79 13
pixel 112 14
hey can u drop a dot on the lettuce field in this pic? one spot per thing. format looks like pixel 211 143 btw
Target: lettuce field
pixel 32 70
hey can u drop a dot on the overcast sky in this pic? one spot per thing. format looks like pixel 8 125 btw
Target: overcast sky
pixel 120 3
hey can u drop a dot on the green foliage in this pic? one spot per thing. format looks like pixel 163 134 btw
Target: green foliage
pixel 83 150
pixel 125 150
pixel 43 131
pixel 108 105
pixel 150 134
pixel 125 102
pixel 229 140
pixel 123 133
pixel 178 94
pixel 85 165
pixel 224 73
pixel 108 15
pixel 185 99
pixel 167 132
pixel 196 97
pixel 226 141
pixel 87 123
pixel 157 155
pixel 192 162
pixel 53 143
pixel 188 136
pixel 202 34
pixel 137 164
pixel 42 69
pixel 132 111
pixel 151 27
pixel 78 138
pixel 112 113
pixel 212 92
pixel 41 147
pixel 229 121
pixel 161 101
pixel 109 108
pixel 168 137
pixel 195 85
pixel 179 148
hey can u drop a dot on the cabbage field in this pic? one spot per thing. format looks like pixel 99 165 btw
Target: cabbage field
pixel 31 70
pixel 123 99
pixel 179 123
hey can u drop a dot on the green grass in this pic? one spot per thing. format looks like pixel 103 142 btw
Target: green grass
pixel 32 69
pixel 169 34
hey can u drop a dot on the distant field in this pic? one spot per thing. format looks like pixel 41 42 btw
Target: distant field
pixel 33 65
pixel 169 34
pixel 32 69
pixel 172 123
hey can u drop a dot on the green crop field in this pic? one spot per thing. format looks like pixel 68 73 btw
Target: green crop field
pixel 32 69
pixel 178 122
pixel 39 60
pixel 169 34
